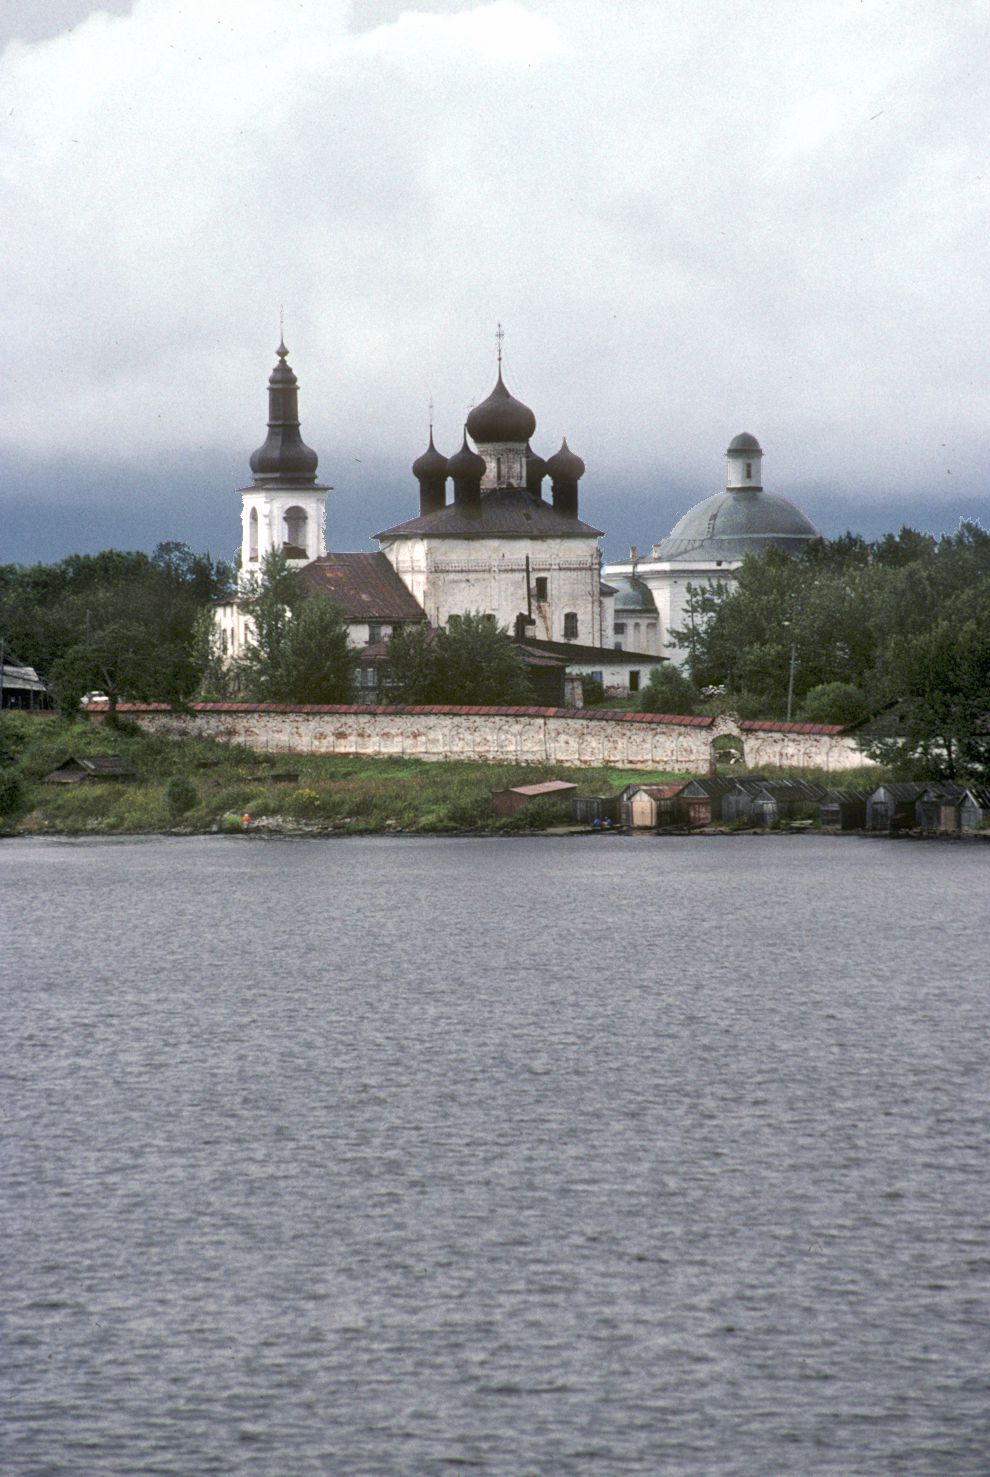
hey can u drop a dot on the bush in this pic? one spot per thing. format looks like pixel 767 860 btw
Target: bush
pixel 668 691
pixel 592 691
pixel 834 702
pixel 180 792
pixel 11 793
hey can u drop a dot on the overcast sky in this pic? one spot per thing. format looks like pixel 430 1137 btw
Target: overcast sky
pixel 693 218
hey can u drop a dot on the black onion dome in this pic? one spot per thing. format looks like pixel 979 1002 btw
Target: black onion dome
pixel 284 455
pixel 536 467
pixel 564 465
pixel 466 465
pixel 431 465
pixel 744 442
pixel 501 418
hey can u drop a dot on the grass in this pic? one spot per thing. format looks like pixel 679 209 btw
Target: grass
pixel 320 792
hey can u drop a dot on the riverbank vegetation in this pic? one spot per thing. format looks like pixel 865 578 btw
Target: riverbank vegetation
pixel 193 784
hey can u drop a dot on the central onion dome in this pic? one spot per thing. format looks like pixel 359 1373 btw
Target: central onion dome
pixel 501 418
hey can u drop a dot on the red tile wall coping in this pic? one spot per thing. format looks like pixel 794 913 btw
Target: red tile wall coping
pixel 610 715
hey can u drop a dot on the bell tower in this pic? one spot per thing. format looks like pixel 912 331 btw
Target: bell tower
pixel 285 507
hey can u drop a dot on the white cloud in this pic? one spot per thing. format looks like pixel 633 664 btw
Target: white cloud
pixel 692 218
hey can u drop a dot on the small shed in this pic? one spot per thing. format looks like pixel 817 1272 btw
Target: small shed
pixel 931 802
pixel 508 802
pixel 966 812
pixel 843 810
pixel 645 806
pixel 590 810
pixel 891 807
pixel 78 768
pixel 699 802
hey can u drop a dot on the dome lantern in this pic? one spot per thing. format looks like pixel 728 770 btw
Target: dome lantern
pixel 744 457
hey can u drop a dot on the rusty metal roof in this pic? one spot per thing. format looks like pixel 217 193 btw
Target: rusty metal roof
pixel 363 587
pixel 549 787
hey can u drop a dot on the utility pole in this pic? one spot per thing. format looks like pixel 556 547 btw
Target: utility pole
pixel 790 680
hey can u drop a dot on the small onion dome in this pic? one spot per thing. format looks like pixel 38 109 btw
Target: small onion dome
pixel 744 442
pixel 535 468
pixel 431 466
pixel 466 465
pixel 501 418
pixel 564 466
pixel 284 455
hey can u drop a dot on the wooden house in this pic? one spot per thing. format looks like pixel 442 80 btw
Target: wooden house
pixel 892 807
pixel 509 802
pixel 765 803
pixel 78 768
pixel 843 810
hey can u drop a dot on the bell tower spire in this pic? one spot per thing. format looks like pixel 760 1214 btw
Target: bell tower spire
pixel 285 508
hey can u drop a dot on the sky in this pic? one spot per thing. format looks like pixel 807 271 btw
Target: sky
pixel 692 218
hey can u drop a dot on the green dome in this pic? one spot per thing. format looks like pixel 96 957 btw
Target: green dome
pixel 632 594
pixel 740 521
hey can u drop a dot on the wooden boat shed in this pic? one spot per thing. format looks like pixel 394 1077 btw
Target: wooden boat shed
pixel 509 802
pixel 699 802
pixel 642 805
pixel 892 807
pixel 79 768
pixel 843 810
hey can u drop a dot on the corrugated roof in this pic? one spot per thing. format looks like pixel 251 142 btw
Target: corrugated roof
pixel 506 512
pixel 362 587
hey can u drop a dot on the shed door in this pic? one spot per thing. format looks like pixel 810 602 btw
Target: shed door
pixel 881 815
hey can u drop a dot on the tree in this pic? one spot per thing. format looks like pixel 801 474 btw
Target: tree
pixel 317 662
pixel 833 702
pixel 667 690
pixel 471 660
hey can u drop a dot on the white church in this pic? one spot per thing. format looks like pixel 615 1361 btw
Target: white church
pixel 500 546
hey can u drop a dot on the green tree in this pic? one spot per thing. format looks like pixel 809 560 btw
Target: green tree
pixel 667 690
pixel 833 702
pixel 471 660
pixel 317 663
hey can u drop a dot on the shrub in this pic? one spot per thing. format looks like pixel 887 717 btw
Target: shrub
pixel 180 792
pixel 592 691
pixel 11 793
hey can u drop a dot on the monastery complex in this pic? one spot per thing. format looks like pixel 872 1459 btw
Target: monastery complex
pixel 498 530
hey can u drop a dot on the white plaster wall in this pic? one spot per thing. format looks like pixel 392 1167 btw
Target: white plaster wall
pixel 667 581
pixel 452 577
pixel 539 736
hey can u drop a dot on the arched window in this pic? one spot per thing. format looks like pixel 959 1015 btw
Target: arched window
pixel 253 536
pixel 294 530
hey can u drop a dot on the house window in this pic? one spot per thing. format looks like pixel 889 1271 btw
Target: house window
pixel 570 625
pixel 541 587
pixel 617 645
pixel 619 628
pixel 634 682
pixel 374 632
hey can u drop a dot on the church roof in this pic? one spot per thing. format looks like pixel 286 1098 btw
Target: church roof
pixel 632 593
pixel 362 587
pixel 503 513
pixel 734 523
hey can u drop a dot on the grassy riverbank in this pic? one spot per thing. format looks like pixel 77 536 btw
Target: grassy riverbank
pixel 304 792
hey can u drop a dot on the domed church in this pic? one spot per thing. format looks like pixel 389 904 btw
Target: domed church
pixel 498 545
pixel 708 544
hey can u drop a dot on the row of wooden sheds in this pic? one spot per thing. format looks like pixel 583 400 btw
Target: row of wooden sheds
pixel 937 808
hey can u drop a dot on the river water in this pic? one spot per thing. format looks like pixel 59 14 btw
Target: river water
pixel 533 1156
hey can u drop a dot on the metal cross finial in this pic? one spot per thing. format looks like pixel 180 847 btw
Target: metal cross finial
pixel 499 336
pixel 281 331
